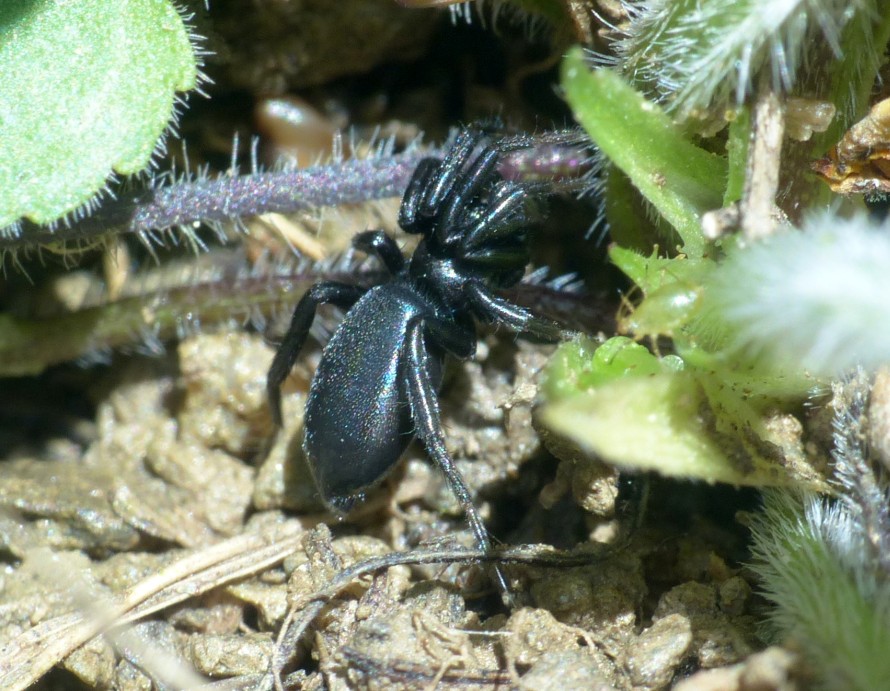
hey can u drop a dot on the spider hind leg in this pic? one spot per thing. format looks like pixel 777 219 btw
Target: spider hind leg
pixel 341 294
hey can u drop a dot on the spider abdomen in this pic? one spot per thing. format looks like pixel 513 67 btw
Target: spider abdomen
pixel 358 417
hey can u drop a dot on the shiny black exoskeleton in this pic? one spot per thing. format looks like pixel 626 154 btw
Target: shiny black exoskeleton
pixel 376 385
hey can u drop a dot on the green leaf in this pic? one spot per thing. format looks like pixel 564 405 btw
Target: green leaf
pixel 631 223
pixel 653 272
pixel 737 155
pixel 672 287
pixel 670 423
pixel 681 180
pixel 88 88
pixel 583 364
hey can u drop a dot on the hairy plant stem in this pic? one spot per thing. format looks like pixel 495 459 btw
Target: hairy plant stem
pixel 234 295
pixel 228 197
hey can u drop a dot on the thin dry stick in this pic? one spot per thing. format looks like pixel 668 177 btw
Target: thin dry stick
pixel 764 158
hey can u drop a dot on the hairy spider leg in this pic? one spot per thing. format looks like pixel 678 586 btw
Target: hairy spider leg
pixel 383 246
pixel 341 294
pixel 458 157
pixel 409 221
pixel 425 413
pixel 505 212
pixel 497 310
pixel 465 187
pixel 511 256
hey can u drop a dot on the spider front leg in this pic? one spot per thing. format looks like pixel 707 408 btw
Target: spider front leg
pixel 505 213
pixel 493 308
pixel 383 247
pixel 341 294
pixel 410 219
pixel 424 402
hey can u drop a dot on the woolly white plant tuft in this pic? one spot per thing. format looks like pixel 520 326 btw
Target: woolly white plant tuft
pixel 817 298
pixel 831 605
pixel 694 54
pixel 825 563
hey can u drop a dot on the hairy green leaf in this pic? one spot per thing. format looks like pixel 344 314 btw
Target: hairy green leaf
pixel 812 561
pixel 88 88
pixel 583 364
pixel 681 424
pixel 681 180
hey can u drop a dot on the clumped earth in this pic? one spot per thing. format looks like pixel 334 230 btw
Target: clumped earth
pixel 154 501
pixel 166 491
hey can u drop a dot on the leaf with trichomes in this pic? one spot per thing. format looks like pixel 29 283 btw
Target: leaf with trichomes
pixel 813 299
pixel 692 55
pixel 88 88
pixel 630 408
pixel 830 599
pixel 582 364
pixel 681 180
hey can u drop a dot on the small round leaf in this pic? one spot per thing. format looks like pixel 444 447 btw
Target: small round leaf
pixel 88 88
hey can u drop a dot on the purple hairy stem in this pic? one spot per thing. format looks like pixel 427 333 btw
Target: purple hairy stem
pixel 558 159
pixel 547 163
pixel 234 196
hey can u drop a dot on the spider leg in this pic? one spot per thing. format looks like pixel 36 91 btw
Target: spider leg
pixel 421 180
pixel 504 214
pixel 496 309
pixel 341 294
pixel 440 186
pixel 499 258
pixel 428 424
pixel 439 191
pixel 381 245
pixel 463 190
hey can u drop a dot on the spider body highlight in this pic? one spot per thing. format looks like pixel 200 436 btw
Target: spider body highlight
pixel 376 385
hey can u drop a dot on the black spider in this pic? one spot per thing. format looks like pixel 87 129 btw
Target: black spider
pixel 376 384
